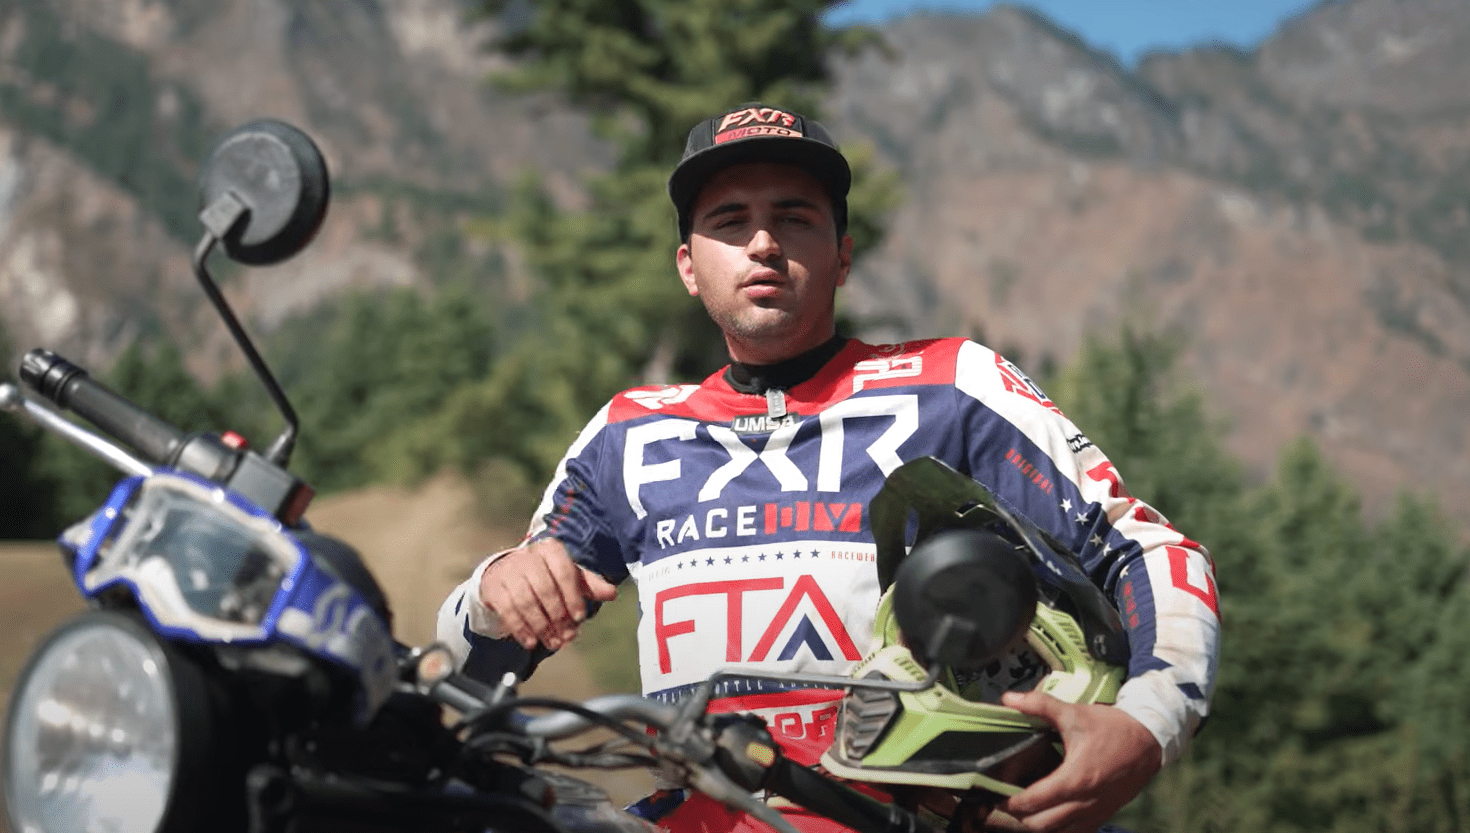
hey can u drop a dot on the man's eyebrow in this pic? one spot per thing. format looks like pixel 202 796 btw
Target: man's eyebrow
pixel 723 208
pixel 797 202
pixel 736 206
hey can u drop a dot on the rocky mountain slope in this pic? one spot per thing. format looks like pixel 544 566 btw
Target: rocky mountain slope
pixel 1298 211
pixel 107 109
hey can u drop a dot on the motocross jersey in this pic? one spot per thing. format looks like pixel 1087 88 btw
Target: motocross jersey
pixel 742 519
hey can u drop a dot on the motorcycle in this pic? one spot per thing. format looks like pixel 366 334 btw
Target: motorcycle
pixel 236 669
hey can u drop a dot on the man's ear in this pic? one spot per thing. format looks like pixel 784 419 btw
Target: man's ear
pixel 844 258
pixel 684 260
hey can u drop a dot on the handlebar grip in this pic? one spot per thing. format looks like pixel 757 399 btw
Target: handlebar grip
pixel 839 802
pixel 69 387
pixel 463 693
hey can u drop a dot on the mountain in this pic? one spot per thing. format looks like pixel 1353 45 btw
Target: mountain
pixel 1295 211
pixel 108 109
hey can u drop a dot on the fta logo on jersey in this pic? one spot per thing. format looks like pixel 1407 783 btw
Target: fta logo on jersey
pixel 805 618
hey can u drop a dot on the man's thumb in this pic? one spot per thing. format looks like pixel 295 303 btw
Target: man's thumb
pixel 1033 703
pixel 597 587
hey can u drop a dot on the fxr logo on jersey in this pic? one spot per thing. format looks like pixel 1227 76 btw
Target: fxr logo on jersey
pixel 882 424
pixel 756 121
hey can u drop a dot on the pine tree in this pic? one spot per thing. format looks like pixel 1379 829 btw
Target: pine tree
pixel 1127 396
pixel 611 312
pixel 378 363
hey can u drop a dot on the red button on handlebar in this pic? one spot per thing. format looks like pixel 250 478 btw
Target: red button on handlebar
pixel 234 441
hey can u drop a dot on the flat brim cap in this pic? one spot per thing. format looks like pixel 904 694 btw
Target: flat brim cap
pixel 756 133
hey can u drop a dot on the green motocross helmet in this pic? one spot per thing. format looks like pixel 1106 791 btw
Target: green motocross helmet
pixel 1064 639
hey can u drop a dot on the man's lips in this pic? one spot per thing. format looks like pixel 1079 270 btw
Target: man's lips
pixel 764 278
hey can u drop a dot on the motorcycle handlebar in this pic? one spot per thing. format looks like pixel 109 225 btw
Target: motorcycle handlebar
pixel 69 387
pixel 839 802
pixel 786 778
pixel 618 706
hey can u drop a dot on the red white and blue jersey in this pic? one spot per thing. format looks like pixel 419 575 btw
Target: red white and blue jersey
pixel 748 538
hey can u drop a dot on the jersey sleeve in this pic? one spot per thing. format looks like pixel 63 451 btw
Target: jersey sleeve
pixel 576 508
pixel 474 636
pixel 570 513
pixel 1162 583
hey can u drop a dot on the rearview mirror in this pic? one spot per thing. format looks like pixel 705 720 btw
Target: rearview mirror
pixel 277 174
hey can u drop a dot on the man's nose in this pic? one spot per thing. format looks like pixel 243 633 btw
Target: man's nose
pixel 763 245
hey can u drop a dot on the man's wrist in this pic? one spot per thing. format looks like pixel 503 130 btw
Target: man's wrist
pixel 493 559
pixel 1171 728
pixel 482 620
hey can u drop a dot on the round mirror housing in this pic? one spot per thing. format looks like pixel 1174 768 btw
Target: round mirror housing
pixel 964 598
pixel 278 176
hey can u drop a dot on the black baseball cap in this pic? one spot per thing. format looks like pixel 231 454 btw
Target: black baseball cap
pixel 755 132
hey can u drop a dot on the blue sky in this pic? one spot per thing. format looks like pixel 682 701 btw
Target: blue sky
pixel 1126 28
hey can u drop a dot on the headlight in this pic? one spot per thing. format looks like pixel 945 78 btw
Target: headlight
pixel 104 724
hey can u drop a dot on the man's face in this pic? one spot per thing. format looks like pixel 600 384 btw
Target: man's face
pixel 764 257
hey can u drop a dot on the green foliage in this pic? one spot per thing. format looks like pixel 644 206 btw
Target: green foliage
pixel 1315 725
pixel 1126 397
pixel 27 494
pixel 519 415
pixel 57 483
pixel 373 366
pixel 650 69
pixel 610 311
pixel 357 374
pixel 1435 701
pixel 1340 699
pixel 154 376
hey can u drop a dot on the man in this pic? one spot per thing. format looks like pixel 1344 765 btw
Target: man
pixel 737 505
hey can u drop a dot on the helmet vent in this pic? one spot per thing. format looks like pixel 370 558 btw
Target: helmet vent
pixel 866 714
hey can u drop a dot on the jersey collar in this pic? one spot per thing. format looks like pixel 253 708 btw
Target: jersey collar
pixel 783 375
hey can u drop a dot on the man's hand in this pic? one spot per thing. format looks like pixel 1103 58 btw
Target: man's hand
pixel 539 593
pixel 1109 759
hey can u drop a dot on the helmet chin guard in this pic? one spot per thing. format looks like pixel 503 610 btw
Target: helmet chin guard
pixel 955 735
pixel 947 736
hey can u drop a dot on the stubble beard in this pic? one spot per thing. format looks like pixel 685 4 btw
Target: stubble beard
pixel 756 324
pixel 772 329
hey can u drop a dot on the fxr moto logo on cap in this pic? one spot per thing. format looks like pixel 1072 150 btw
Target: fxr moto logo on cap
pixel 756 121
